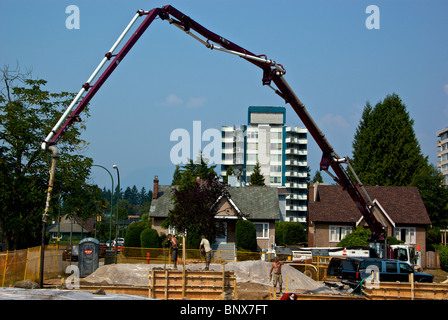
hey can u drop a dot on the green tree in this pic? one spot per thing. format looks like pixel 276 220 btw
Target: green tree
pixel 385 149
pixel 256 178
pixel 195 199
pixel 386 152
pixel 229 172
pixel 27 114
pixel 318 177
pixel 177 176
pixel 434 196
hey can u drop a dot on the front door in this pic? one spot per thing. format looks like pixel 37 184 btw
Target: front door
pixel 222 236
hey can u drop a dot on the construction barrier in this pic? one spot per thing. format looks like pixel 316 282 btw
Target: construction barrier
pixel 18 265
pixel 315 269
pixel 406 291
pixel 163 255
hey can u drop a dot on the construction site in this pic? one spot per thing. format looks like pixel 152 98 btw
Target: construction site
pixel 232 280
pixel 224 280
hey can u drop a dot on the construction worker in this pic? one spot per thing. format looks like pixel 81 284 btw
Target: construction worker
pixel 277 268
pixel 205 244
pixel 174 250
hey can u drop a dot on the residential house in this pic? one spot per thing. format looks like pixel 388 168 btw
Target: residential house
pixel 332 215
pixel 74 226
pixel 257 204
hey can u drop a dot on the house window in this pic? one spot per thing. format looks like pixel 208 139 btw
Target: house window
pixel 405 234
pixel 337 233
pixel 262 230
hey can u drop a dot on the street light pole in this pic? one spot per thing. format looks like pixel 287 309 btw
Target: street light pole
pixel 111 201
pixel 116 219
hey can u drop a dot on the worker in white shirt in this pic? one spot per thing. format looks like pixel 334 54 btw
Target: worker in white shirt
pixel 205 244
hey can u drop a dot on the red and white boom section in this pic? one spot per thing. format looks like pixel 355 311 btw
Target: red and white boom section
pixel 273 76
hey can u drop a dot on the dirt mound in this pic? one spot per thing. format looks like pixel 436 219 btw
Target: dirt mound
pixel 121 274
pixel 246 271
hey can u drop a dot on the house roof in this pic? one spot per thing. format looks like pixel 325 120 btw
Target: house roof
pixel 403 205
pixel 66 225
pixel 163 204
pixel 257 203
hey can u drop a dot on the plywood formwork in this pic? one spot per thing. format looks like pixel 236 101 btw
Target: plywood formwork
pixel 406 291
pixel 197 285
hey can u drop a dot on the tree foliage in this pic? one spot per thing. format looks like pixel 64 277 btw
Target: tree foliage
pixel 289 233
pixel 318 177
pixel 386 152
pixel 149 238
pixel 257 178
pixel 359 237
pixel 195 198
pixel 385 149
pixel 27 114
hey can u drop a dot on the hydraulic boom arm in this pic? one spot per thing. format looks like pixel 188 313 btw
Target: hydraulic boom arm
pixel 272 73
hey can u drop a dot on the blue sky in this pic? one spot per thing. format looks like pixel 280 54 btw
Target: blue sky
pixel 168 80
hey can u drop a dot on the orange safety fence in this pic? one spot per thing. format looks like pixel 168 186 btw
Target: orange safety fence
pixel 17 265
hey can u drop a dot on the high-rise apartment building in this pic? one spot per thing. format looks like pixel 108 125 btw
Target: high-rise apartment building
pixel 280 150
pixel 442 153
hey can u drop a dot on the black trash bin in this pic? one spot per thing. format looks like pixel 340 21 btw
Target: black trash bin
pixel 109 257
pixel 89 254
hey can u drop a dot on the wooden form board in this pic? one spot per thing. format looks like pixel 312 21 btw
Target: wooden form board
pixel 207 285
pixel 406 291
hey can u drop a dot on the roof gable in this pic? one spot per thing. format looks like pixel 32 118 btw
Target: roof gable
pixel 403 205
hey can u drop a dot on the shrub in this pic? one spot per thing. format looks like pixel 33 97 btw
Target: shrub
pixel 443 257
pixel 245 235
pixel 149 238
pixel 132 238
pixel 359 237
pixel 289 233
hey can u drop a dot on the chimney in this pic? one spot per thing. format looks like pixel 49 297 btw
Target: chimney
pixel 155 190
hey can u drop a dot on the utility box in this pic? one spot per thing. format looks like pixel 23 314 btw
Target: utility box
pixel 89 255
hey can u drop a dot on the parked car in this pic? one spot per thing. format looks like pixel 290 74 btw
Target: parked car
pixel 392 270
pixel 119 242
pixel 70 253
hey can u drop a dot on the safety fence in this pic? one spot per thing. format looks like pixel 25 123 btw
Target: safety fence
pixel 17 265
pixel 163 255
